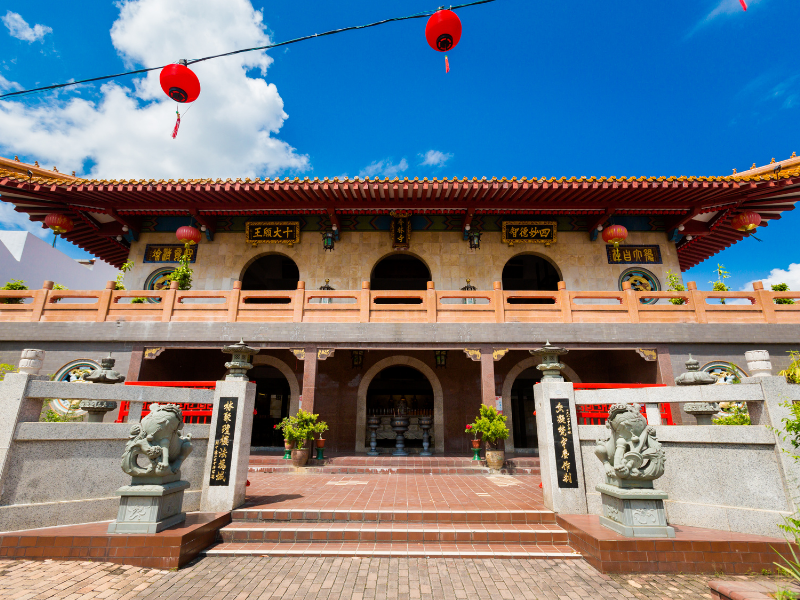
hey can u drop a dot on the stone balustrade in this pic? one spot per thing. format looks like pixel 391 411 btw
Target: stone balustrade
pixel 428 306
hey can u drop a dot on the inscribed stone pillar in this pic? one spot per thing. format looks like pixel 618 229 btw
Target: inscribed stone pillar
pixel 564 489
pixel 487 377
pixel 224 483
pixel 309 379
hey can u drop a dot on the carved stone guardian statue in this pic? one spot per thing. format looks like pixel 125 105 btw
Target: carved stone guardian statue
pixel 632 459
pixel 153 457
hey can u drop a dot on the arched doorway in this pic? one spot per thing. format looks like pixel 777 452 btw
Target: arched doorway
pixel 387 390
pixel 530 273
pixel 277 396
pixel 270 272
pixel 437 432
pixel 399 272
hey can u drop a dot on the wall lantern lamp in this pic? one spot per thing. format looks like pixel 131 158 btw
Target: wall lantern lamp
pixel 473 237
pixel 328 240
pixel 441 358
pixel 357 358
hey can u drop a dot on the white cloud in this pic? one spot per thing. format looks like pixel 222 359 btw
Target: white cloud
pixel 127 134
pixel 728 7
pixel 5 84
pixel 14 221
pixel 790 277
pixel 384 168
pixel 19 29
pixel 434 158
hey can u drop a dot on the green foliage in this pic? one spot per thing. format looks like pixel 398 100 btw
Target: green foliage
pixel 4 368
pixel 674 285
pixel 48 415
pixel 138 300
pixel 491 425
pixel 127 266
pixel 735 414
pixel 14 284
pixel 719 284
pixel 782 287
pixel 183 274
pixel 792 372
pixel 300 427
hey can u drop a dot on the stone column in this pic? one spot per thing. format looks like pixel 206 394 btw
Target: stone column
pixel 487 377
pixel 309 379
pixel 566 500
pixel 220 498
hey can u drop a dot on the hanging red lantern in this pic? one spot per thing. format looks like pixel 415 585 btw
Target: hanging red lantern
pixel 746 221
pixel 443 32
pixel 188 235
pixel 180 83
pixel 615 234
pixel 59 223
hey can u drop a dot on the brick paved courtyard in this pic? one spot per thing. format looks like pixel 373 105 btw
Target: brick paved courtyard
pixel 251 578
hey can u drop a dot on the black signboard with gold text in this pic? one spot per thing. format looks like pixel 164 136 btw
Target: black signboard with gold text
pixel 529 232
pixel 272 232
pixel 400 229
pixel 564 447
pixel 223 442
pixel 633 255
pixel 165 253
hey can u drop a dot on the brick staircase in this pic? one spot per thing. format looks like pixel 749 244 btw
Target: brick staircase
pixel 411 465
pixel 478 534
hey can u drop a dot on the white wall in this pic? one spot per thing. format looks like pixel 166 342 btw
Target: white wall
pixel 24 256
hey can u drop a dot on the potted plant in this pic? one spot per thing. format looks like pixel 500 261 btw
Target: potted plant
pixel 492 427
pixel 297 430
pixel 476 443
pixel 319 428
pixel 287 445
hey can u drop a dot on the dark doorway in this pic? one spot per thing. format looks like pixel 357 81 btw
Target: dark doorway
pixel 530 273
pixel 386 391
pixel 522 407
pixel 272 405
pixel 400 272
pixel 271 272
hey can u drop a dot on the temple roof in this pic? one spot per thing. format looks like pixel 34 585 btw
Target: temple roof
pixel 700 207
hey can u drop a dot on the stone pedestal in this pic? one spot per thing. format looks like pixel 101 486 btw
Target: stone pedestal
pixel 97 409
pixel 634 512
pixel 702 411
pixel 149 508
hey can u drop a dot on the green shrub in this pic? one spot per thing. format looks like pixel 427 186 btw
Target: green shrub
pixel 782 287
pixel 15 285
pixel 491 425
pixel 183 274
pixel 300 427
pixel 4 368
pixel 734 415
pixel 127 266
pixel 674 285
pixel 792 372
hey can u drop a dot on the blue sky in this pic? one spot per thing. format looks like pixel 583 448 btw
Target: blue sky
pixel 535 89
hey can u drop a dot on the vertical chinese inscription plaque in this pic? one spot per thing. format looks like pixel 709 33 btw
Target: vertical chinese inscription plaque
pixel 223 442
pixel 564 448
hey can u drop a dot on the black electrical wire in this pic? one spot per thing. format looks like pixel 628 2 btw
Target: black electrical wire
pixel 197 60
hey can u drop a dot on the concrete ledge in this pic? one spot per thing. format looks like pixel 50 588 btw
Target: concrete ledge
pixel 130 393
pixel 37 432
pixel 696 434
pixel 672 394
pixel 748 590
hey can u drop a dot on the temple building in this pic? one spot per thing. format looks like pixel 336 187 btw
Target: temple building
pixel 365 293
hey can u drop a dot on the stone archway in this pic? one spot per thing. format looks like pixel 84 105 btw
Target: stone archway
pixel 286 370
pixel 438 399
pixel 508 383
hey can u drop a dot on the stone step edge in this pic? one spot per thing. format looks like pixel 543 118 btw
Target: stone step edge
pixel 393 470
pixel 311 551
pixel 344 515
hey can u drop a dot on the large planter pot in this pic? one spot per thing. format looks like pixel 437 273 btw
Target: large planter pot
pixel 495 459
pixel 299 457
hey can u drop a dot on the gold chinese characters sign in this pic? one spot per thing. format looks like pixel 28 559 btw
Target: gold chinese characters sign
pixel 564 447
pixel 223 442
pixel 633 255
pixel 165 253
pixel 400 229
pixel 529 232
pixel 272 232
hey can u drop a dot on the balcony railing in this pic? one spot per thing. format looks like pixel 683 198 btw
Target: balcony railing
pixel 428 306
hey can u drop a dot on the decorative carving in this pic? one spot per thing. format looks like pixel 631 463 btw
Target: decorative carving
pixel 152 353
pixel 106 373
pixel 702 411
pixel 299 353
pixel 240 361
pixel 550 366
pixel 158 439
pixel 632 452
pixel 645 516
pixel 31 361
pixel 325 353
pixel 693 376
pixel 497 354
pixel 649 354
pixel 473 353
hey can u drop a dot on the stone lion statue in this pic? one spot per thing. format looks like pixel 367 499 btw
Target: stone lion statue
pixel 632 451
pixel 158 439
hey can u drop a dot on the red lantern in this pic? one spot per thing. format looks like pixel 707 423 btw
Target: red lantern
pixel 59 223
pixel 443 32
pixel 188 235
pixel 180 83
pixel 746 221
pixel 615 234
